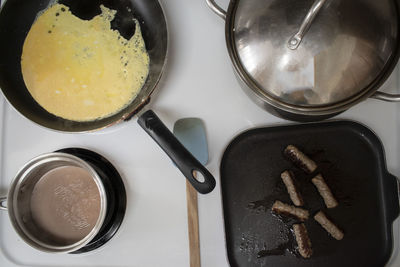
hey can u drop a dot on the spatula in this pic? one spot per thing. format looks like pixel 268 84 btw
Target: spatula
pixel 190 132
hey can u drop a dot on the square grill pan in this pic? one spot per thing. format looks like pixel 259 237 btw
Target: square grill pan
pixel 351 159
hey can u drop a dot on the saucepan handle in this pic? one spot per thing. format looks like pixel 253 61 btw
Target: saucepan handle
pixel 216 9
pixel 391 194
pixel 3 200
pixel 183 159
pixel 386 97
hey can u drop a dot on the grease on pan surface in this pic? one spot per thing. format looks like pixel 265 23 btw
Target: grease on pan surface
pixel 82 70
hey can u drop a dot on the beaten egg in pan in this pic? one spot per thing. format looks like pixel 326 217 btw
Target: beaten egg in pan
pixel 82 70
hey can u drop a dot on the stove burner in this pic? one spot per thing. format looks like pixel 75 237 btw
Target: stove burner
pixel 116 196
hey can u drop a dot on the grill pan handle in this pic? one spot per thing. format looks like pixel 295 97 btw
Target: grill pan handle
pixel 183 159
pixel 391 197
pixel 216 9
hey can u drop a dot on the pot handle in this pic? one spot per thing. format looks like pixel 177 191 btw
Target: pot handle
pixel 216 9
pixel 183 159
pixel 386 97
pixel 3 200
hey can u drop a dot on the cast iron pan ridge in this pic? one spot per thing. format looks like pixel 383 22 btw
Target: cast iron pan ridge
pixel 351 158
pixel 16 18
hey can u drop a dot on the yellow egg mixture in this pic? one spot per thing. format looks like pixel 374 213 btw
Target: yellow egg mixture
pixel 82 70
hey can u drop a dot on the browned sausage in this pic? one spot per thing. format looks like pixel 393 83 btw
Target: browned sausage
pixel 300 159
pixel 285 209
pixel 288 180
pixel 329 226
pixel 324 191
pixel 302 239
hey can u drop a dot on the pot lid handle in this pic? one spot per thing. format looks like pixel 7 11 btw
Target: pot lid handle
pixel 386 97
pixel 296 39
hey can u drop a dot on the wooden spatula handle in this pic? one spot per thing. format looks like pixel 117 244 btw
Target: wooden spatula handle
pixel 193 225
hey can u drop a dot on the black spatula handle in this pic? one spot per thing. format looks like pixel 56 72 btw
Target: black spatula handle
pixel 183 159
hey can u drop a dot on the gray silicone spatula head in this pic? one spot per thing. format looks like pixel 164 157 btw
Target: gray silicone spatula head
pixel 191 133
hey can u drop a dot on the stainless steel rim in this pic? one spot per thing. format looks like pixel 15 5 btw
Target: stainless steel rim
pixel 23 175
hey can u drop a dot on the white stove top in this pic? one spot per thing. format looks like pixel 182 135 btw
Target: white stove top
pixel 199 82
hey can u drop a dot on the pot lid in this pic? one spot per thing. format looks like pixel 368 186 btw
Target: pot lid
pixel 346 48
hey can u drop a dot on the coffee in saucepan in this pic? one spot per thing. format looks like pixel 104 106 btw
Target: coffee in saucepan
pixel 65 204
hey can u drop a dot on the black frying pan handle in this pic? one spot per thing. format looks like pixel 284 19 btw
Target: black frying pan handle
pixel 391 195
pixel 183 159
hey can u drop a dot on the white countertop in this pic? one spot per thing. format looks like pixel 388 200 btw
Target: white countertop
pixel 198 82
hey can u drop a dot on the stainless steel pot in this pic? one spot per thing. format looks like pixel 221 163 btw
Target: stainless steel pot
pixel 22 215
pixel 309 60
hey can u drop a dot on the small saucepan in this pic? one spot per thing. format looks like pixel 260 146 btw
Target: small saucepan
pixel 149 14
pixel 57 203
pixel 312 59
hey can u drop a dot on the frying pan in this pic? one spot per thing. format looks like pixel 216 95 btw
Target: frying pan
pixel 351 159
pixel 16 19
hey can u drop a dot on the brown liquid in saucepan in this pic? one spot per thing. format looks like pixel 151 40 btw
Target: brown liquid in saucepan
pixel 65 203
